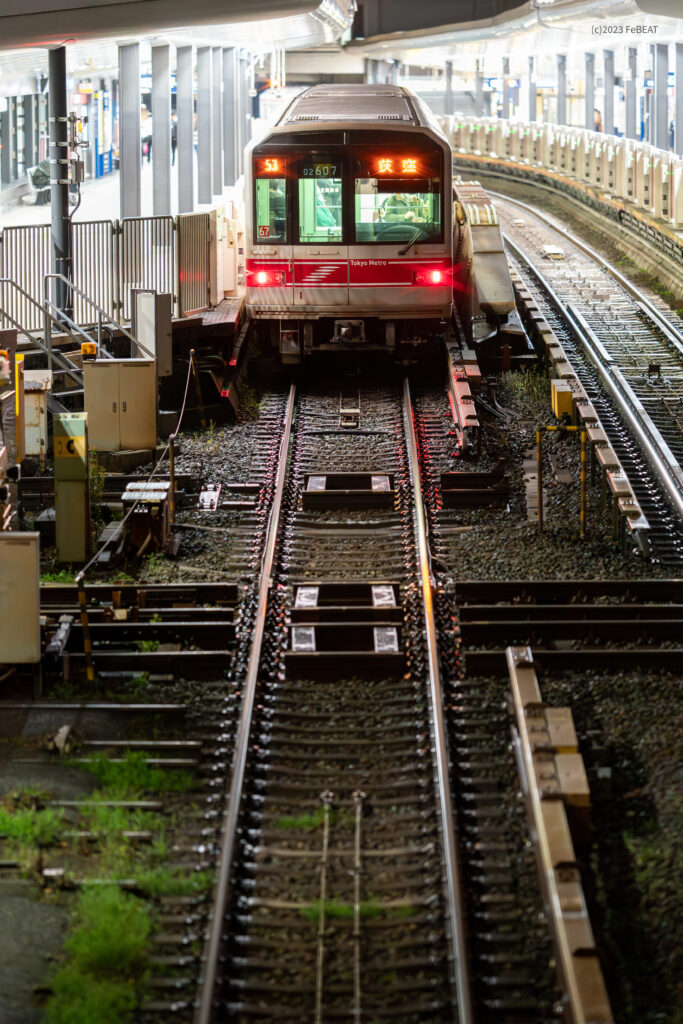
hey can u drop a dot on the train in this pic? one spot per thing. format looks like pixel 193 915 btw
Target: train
pixel 353 240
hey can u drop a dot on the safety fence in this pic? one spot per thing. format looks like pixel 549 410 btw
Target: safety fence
pixel 649 178
pixel 110 257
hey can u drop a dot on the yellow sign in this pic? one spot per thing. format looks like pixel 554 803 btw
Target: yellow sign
pixel 70 447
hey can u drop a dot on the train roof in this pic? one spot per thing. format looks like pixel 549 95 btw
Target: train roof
pixel 357 105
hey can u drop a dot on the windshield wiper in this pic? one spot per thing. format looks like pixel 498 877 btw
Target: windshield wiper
pixel 413 240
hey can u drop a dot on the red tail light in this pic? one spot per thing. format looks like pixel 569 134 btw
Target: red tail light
pixel 267 279
pixel 427 277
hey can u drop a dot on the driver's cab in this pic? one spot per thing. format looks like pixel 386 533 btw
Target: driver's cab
pixel 395 193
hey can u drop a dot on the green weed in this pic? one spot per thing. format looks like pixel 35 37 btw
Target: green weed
pixel 248 402
pixel 531 385
pixel 337 908
pixel 108 954
pixel 83 999
pixel 132 776
pixel 161 881
pixel 63 576
pixel 147 645
pixel 30 825
pixel 313 820
pixel 110 937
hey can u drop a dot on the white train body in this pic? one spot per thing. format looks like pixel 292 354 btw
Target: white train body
pixel 349 240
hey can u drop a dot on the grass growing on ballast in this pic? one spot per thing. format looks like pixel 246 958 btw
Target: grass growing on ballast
pixel 103 980
pixel 162 881
pixel 30 825
pixel 341 909
pixel 132 776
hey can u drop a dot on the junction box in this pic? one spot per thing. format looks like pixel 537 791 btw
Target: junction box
pixel 72 500
pixel 121 402
pixel 19 598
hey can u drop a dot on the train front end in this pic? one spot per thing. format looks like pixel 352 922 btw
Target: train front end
pixel 349 238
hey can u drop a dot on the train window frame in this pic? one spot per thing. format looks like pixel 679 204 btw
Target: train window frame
pixel 268 239
pixel 433 175
pixel 313 159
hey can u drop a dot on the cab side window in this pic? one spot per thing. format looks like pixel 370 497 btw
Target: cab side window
pixel 320 202
pixel 271 210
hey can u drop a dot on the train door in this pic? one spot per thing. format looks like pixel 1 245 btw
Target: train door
pixel 320 254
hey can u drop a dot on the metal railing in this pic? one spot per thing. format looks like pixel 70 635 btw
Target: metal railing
pixel 110 257
pixel 94 246
pixel 147 257
pixel 11 295
pixel 26 257
pixel 649 178
pixel 100 324
pixel 194 235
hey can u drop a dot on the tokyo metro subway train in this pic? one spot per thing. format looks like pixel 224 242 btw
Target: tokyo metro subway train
pixel 349 223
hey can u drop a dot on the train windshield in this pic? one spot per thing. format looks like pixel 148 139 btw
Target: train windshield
pixel 397 196
pixel 320 200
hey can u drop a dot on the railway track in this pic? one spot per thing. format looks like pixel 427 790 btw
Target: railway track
pixel 167 660
pixel 374 859
pixel 626 350
pixel 566 625
pixel 338 886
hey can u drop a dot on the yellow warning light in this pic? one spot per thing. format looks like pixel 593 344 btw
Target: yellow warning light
pixel 88 350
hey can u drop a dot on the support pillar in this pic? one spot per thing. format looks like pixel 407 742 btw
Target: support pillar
pixel 532 91
pixel 185 112
pixel 660 106
pixel 229 115
pixel 368 71
pixel 244 109
pixel 478 90
pixel 448 98
pixel 630 93
pixel 217 86
pixel 561 88
pixel 130 156
pixel 204 126
pixel 29 133
pixel 678 100
pixel 4 147
pixel 505 112
pixel 608 112
pixel 59 175
pixel 394 72
pixel 161 129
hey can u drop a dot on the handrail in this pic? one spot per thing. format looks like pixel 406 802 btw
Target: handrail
pixel 67 366
pixel 102 313
pixel 61 318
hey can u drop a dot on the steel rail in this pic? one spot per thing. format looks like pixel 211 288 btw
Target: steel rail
pixel 212 948
pixel 653 445
pixel 459 957
pixel 670 330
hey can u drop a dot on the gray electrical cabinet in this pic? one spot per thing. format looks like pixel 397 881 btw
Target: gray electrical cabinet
pixel 121 403
pixel 151 325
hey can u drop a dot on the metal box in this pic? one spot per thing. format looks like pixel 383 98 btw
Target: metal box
pixel 37 384
pixel 70 440
pixel 145 504
pixel 19 598
pixel 121 400
pixel 151 325
pixel 562 400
